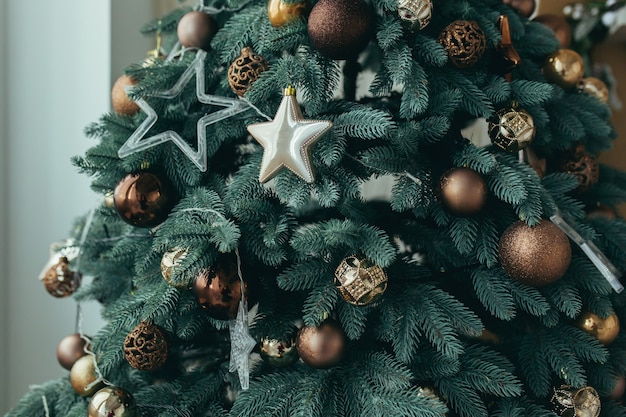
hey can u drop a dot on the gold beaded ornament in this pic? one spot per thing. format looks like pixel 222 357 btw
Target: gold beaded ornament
pixel 360 281
pixel 572 402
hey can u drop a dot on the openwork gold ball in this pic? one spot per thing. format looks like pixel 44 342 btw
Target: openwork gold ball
pixel 577 161
pixel 60 281
pixel 605 330
pixel 465 42
pixel 511 129
pixel 245 70
pixel 568 401
pixel 145 347
pixel 416 14
pixel 360 281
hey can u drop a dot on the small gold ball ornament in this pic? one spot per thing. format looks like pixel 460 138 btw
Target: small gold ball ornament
pixel 245 70
pixel 112 401
pixel 279 353
pixel 511 129
pixel 416 14
pixel 595 87
pixel 145 347
pixel 170 260
pixel 462 191
pixel 281 13
pixel 605 330
pixel 568 401
pixel 565 68
pixel 122 104
pixel 360 281
pixel 60 281
pixel 321 346
pixel 83 376
pixel 465 42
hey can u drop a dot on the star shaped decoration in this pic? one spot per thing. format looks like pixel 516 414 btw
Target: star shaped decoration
pixel 241 345
pixel 288 140
pixel 139 142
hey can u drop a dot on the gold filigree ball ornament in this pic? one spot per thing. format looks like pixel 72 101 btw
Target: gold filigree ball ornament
pixel 321 346
pixel 559 25
pixel 511 129
pixel 564 68
pixel 70 349
pixel 536 256
pixel 464 41
pixel 415 14
pixel 84 376
pixel 568 401
pixel 169 262
pixel 340 29
pixel 577 161
pixel 524 7
pixel 196 30
pixel 245 70
pixel 360 281
pixel 122 104
pixel 462 191
pixel 143 199
pixel 279 352
pixel 594 87
pixel 146 347
pixel 281 13
pixel 605 330
pixel 112 401
pixel 60 281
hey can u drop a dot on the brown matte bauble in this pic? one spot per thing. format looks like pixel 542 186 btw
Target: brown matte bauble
pixel 83 376
pixel 279 353
pixel 524 7
pixel 112 402
pixel 145 347
pixel 218 289
pixel 341 29
pixel 464 41
pixel 321 346
pixel 196 30
pixel 60 281
pixel 603 329
pixel 558 24
pixel 245 70
pixel 535 256
pixel 143 199
pixel 618 389
pixel 595 87
pixel 122 104
pixel 565 68
pixel 70 349
pixel 462 191
pixel 511 129
pixel 281 13
pixel 577 161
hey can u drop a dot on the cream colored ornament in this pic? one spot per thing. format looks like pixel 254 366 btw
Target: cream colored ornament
pixel 416 13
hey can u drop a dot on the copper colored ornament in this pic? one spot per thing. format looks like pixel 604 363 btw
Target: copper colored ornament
pixel 83 376
pixel 415 13
pixel 196 30
pixel 112 402
pixel 322 346
pixel 170 260
pixel 535 256
pixel 558 24
pixel 577 161
pixel 145 347
pixel 360 281
pixel 507 58
pixel 122 104
pixel 218 289
pixel 605 330
pixel 524 7
pixel 568 401
pixel 281 13
pixel 279 353
pixel 143 199
pixel 60 281
pixel 245 70
pixel 594 87
pixel 465 42
pixel 618 389
pixel 462 191
pixel 70 349
pixel 565 68
pixel 511 129
pixel 340 29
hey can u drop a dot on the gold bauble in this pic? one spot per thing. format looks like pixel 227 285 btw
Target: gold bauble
pixel 170 260
pixel 565 68
pixel 462 191
pixel 511 129
pixel 281 13
pixel 279 353
pixel 576 402
pixel 360 281
pixel 594 87
pixel 83 376
pixel 605 330
pixel 112 402
pixel 122 104
pixel 465 42
pixel 245 70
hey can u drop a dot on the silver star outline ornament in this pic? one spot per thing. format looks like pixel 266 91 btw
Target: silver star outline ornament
pixel 138 142
pixel 288 140
pixel 241 345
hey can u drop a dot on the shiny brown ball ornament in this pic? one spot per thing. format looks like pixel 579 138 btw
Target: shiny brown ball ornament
pixel 279 353
pixel 170 261
pixel 465 42
pixel 60 281
pixel 122 104
pixel 218 289
pixel 462 191
pixel 577 161
pixel 112 402
pixel 143 199
pixel 564 68
pixel 559 26
pixel 340 29
pixel 605 330
pixel 196 30
pixel 524 7
pixel 245 70
pixel 416 14
pixel 322 346
pixel 535 256
pixel 360 281
pixel 145 347
pixel 281 13
pixel 511 129
pixel 70 349
pixel 568 401
pixel 83 376
pixel 595 88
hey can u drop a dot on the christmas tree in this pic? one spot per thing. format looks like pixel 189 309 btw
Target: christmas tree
pixel 245 267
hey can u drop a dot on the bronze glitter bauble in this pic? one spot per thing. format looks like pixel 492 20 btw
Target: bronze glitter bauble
pixel 322 346
pixel 511 129
pixel 218 289
pixel 112 402
pixel 564 68
pixel 577 161
pixel 70 349
pixel 143 199
pixel 245 70
pixel 60 281
pixel 465 42
pixel 281 13
pixel 196 30
pixel 83 376
pixel 605 330
pixel 535 256
pixel 145 347
pixel 558 24
pixel 122 104
pixel 341 29
pixel 568 401
pixel 416 14
pixel 618 389
pixel 170 260
pixel 595 87
pixel 524 7
pixel 279 353
pixel 360 281
pixel 462 191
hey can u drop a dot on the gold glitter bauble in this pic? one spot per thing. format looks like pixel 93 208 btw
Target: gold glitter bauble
pixel 112 402
pixel 605 330
pixel 565 68
pixel 511 129
pixel 465 42
pixel 122 104
pixel 145 347
pixel 594 87
pixel 83 376
pixel 462 191
pixel 360 281
pixel 536 256
pixel 281 13
pixel 576 402
pixel 245 70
